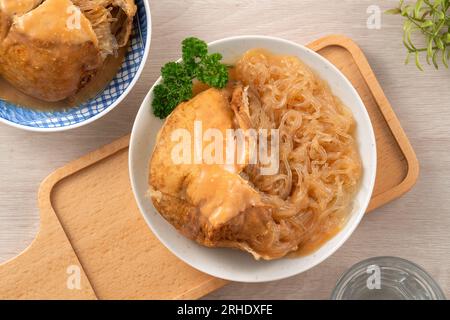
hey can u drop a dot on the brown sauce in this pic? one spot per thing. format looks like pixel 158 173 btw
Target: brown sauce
pixel 58 16
pixel 231 194
pixel 103 77
pixel 314 245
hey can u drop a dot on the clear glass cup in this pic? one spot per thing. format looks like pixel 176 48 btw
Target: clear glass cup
pixel 386 278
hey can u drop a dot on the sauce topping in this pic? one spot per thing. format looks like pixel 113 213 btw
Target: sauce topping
pixel 57 21
pixel 17 7
pixel 220 195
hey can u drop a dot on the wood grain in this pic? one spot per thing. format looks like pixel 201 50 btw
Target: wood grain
pixel 121 257
pixel 89 219
pixel 414 227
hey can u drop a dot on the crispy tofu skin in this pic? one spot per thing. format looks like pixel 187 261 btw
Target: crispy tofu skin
pixel 5 24
pixel 48 71
pixel 212 109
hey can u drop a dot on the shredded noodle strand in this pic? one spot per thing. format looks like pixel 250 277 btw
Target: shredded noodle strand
pixel 320 166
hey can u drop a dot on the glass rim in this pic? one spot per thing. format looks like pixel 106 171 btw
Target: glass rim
pixel 388 261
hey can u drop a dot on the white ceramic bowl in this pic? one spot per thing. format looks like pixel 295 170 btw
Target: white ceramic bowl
pixel 231 264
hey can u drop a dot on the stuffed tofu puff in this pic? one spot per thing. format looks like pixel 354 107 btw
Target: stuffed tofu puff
pixel 51 50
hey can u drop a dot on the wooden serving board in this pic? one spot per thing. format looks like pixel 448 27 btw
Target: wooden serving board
pixel 90 222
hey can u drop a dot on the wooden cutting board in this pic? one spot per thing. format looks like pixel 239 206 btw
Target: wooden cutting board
pixel 94 244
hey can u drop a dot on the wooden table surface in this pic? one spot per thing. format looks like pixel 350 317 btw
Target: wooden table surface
pixel 415 227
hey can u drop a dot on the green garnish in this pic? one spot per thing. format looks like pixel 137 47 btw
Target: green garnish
pixel 432 19
pixel 178 76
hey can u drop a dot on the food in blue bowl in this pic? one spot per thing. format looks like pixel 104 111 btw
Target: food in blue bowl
pixel 65 63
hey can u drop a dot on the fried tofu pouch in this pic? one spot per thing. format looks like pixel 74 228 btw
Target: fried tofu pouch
pixel 209 203
pixel 51 50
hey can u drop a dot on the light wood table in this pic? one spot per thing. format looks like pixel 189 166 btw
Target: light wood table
pixel 415 227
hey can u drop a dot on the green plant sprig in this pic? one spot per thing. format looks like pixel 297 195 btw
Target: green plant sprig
pixel 177 84
pixel 431 18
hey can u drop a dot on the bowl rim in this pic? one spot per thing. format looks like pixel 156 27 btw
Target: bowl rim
pixel 115 103
pixel 358 215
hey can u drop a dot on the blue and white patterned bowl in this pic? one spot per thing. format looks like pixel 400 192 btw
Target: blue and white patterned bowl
pixel 118 89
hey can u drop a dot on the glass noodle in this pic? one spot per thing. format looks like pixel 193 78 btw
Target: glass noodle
pixel 320 166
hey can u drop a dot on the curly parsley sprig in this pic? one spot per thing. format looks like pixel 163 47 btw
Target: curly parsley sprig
pixel 177 84
pixel 432 19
